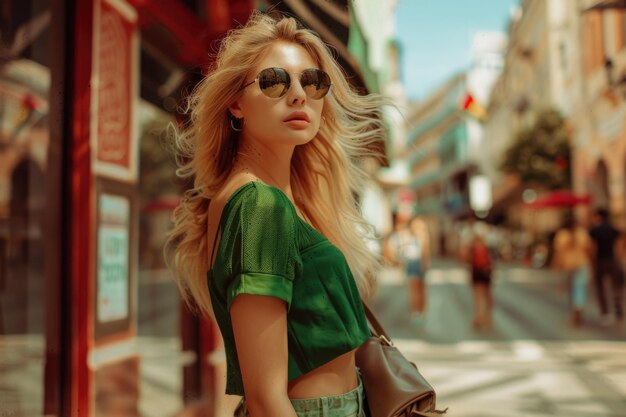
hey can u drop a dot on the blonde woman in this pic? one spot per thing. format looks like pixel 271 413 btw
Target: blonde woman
pixel 409 246
pixel 268 240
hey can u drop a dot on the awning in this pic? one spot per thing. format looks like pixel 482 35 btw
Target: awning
pixel 559 199
pixel 181 33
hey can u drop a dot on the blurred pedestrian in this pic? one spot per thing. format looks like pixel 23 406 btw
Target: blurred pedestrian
pixel 266 241
pixel 477 254
pixel 606 266
pixel 572 255
pixel 408 246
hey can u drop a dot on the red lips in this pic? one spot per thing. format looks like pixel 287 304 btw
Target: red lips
pixel 297 115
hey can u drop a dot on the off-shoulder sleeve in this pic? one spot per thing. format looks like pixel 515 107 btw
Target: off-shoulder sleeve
pixel 265 258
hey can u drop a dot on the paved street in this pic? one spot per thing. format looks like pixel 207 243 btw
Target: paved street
pixel 532 363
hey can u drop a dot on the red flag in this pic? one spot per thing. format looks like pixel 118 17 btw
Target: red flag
pixel 474 108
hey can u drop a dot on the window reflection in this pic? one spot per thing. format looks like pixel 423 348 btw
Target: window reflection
pixel 159 339
pixel 24 142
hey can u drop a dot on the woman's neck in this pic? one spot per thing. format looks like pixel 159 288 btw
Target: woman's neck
pixel 265 164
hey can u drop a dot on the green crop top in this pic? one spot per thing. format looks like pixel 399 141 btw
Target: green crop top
pixel 266 249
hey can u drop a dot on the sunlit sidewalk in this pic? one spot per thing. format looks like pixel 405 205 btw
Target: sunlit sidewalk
pixel 531 364
pixel 525 378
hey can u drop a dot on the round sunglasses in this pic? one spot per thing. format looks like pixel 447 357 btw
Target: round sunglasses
pixel 275 82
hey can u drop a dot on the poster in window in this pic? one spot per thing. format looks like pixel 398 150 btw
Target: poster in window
pixel 115 67
pixel 116 259
pixel 113 258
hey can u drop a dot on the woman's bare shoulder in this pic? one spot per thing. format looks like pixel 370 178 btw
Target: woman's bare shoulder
pixel 219 200
pixel 231 185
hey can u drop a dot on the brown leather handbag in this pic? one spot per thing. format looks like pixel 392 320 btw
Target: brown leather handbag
pixel 393 386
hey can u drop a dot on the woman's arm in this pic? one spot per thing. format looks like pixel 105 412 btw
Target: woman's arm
pixel 389 250
pixel 557 252
pixel 260 330
pixel 425 236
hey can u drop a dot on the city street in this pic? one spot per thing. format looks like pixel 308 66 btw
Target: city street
pixel 531 363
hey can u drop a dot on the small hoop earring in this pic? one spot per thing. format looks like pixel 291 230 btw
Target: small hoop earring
pixel 232 125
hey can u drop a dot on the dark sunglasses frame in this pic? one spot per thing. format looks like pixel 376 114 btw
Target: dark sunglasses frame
pixel 271 77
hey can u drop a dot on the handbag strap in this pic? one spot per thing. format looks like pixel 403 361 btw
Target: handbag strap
pixel 378 329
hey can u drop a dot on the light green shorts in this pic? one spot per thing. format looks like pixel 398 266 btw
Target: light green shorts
pixel 349 404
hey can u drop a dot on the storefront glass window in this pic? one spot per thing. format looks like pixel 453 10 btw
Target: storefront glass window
pixel 159 338
pixel 24 142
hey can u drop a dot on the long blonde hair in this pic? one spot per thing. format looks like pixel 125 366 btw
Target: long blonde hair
pixel 325 174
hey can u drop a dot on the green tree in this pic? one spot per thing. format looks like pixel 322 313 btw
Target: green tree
pixel 540 154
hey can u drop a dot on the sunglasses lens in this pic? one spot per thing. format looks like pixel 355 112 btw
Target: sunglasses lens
pixel 315 83
pixel 274 82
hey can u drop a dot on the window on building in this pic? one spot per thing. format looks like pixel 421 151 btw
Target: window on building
pixel 620 19
pixel 593 40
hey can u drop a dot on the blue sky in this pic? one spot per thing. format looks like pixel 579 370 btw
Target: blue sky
pixel 435 37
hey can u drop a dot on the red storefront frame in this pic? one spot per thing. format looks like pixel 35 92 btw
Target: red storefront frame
pixel 57 367
pixel 81 215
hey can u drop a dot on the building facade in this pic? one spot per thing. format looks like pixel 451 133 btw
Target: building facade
pixel 436 156
pixel 542 72
pixel 377 52
pixel 568 56
pixel 529 84
pixel 598 120
pixel 445 146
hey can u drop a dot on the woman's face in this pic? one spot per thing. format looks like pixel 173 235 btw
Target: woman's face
pixel 292 119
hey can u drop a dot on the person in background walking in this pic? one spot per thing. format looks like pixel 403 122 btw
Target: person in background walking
pixel 572 255
pixel 476 253
pixel 417 276
pixel 409 246
pixel 605 265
